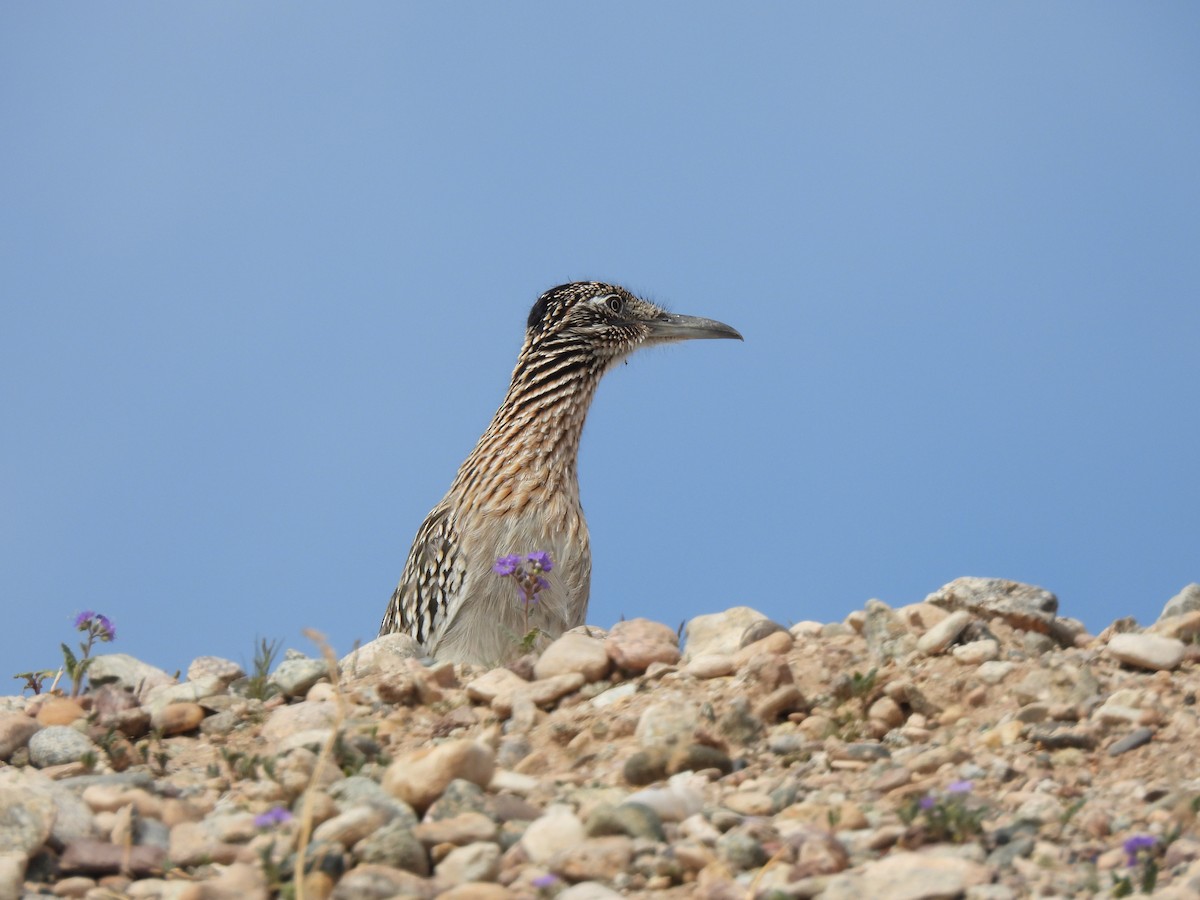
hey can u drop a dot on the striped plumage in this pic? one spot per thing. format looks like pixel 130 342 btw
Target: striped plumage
pixel 518 491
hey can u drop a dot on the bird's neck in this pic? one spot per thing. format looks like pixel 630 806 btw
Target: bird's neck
pixel 529 452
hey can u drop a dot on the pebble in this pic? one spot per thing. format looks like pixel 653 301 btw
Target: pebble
pixel 1137 738
pixel 478 861
pixel 225 671
pixel 977 652
pixel 711 665
pixel 573 653
pixel 938 638
pixel 127 673
pixel 59 711
pixel 418 778
pixel 558 830
pixel 718 633
pixel 634 644
pixel 57 745
pixel 294 677
pixel 670 721
pixel 178 718
pixel 15 731
pixel 1147 651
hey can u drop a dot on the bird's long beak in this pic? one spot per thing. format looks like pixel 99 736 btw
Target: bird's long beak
pixel 684 328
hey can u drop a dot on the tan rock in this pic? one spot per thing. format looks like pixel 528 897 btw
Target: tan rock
pixel 491 684
pixel 418 778
pixel 594 859
pixel 15 731
pixel 466 828
pixel 634 644
pixel 574 653
pixel 558 830
pixel 59 711
pixel 178 718
pixel 711 665
pixel 351 826
pixel 541 693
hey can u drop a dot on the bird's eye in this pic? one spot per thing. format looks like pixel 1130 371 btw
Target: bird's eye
pixel 615 304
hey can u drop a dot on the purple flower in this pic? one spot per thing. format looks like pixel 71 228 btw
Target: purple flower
pixel 84 619
pixel 548 880
pixel 542 560
pixel 506 565
pixel 276 815
pixel 927 802
pixel 106 631
pixel 1134 845
pixel 960 787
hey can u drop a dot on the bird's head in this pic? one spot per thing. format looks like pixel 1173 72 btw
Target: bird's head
pixel 607 322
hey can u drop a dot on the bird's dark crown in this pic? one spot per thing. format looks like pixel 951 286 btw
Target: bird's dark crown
pixel 552 307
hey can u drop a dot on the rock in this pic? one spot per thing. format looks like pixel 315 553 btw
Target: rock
pixel 558 830
pixel 1187 600
pixel 194 844
pixel 886 635
pixel 387 654
pixel 12 874
pixel 944 633
pixel 15 731
pixel 479 861
pixel 58 744
pixel 225 671
pixel 698 757
pixel 635 820
pixel 711 665
pixel 682 797
pixel 573 653
pixel 977 652
pixel 419 777
pixel 719 633
pixel 465 828
pixel 1147 651
pixel 1022 606
pixel 103 858
pixel 188 692
pixel 26 817
pixel 1137 738
pixel 760 630
pixel 542 693
pixel 459 798
pixel 178 718
pixel 921 876
pixel 634 644
pixel 594 859
pixel 588 890
pixel 670 721
pixel 127 673
pixel 740 851
pixel 59 711
pixel 350 827
pixel 495 683
pixel 394 845
pixel 288 720
pixel 780 702
pixel 375 882
pixel 294 677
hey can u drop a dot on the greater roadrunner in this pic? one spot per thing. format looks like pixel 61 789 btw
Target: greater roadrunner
pixel 518 491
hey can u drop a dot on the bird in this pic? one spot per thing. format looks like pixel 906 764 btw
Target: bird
pixel 517 493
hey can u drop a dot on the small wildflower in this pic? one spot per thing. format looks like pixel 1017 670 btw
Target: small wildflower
pixel 541 559
pixel 928 802
pixel 106 631
pixel 83 620
pixel 548 880
pixel 1134 845
pixel 506 565
pixel 276 815
pixel 960 787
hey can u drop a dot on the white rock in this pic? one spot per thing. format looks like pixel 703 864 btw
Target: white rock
pixel 977 652
pixel 479 861
pixel 921 876
pixel 387 654
pixel 682 797
pixel 944 633
pixel 558 829
pixel 995 671
pixel 719 632
pixel 711 665
pixel 1147 651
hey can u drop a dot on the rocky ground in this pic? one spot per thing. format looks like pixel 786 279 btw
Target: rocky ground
pixel 974 745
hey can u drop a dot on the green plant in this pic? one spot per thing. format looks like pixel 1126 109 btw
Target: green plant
pixel 948 816
pixel 257 686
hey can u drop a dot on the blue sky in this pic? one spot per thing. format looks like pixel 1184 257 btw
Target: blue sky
pixel 265 267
